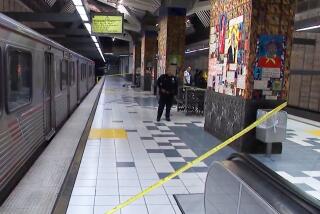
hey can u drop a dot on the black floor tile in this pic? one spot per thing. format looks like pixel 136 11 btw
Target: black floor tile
pixel 171 153
pixel 163 175
pixel 164 144
pixel 181 147
pixel 154 150
pixel 152 128
pixel 146 138
pixel 125 164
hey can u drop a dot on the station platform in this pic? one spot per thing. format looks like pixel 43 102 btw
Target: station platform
pixel 127 151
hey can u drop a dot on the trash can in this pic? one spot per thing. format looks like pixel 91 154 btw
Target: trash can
pixel 273 130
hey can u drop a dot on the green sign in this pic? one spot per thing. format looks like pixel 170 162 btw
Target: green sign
pixel 107 24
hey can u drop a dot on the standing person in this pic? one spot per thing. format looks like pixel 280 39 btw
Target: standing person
pixel 168 88
pixel 187 76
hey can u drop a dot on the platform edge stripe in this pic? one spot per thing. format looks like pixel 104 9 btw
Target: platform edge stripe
pixel 64 195
pixel 199 159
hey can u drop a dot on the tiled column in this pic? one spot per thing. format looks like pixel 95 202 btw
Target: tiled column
pixel 250 49
pixel 171 39
pixel 136 61
pixel 148 56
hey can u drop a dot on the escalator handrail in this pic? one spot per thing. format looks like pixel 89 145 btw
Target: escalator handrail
pixel 308 201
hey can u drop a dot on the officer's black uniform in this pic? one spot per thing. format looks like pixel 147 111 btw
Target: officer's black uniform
pixel 168 88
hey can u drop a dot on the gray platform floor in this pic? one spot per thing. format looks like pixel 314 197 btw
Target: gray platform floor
pixel 37 191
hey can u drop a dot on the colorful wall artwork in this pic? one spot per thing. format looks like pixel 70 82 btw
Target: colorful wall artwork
pixel 269 67
pixel 228 52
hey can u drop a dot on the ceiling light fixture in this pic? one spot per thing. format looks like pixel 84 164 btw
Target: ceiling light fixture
pixel 77 2
pixel 309 28
pixel 94 38
pixel 197 50
pixel 88 26
pixel 81 9
pixel 84 17
pixel 122 9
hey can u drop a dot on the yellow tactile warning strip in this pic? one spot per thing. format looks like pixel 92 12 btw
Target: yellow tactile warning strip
pixel 314 132
pixel 108 134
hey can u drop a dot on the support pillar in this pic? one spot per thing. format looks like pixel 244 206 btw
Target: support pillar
pixel 250 49
pixel 171 39
pixel 148 55
pixel 136 67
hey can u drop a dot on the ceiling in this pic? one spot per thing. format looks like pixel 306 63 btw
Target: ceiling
pixel 59 20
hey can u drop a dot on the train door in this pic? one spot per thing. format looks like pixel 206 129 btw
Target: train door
pixel 68 70
pixel 49 121
pixel 78 82
pixel 87 77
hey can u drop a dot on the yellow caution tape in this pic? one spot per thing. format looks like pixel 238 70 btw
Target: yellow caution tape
pixel 199 159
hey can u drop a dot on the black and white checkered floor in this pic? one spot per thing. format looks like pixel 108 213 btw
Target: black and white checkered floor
pixel 113 169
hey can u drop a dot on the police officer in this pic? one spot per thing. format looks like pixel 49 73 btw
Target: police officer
pixel 168 88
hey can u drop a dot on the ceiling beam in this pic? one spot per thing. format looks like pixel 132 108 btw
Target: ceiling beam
pixel 132 19
pixel 199 6
pixel 309 22
pixel 43 17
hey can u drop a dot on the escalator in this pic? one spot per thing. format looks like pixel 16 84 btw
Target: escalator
pixel 243 185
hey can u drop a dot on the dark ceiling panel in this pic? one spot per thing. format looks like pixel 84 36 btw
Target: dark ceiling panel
pixel 62 31
pixel 43 17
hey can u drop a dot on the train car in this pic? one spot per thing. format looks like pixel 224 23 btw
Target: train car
pixel 41 83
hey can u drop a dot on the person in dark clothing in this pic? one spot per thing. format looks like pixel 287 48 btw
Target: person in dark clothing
pixel 168 88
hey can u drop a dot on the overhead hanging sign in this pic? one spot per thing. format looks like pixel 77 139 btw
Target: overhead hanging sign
pixel 107 23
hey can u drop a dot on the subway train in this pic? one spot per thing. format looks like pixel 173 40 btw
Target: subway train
pixel 41 83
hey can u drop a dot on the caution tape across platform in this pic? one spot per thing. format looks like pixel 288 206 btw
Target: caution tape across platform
pixel 198 160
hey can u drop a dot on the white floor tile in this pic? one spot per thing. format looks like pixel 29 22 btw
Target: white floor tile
pixel 106 200
pixel 103 209
pixel 160 209
pixel 157 191
pixel 129 190
pixel 80 210
pixel 174 183
pixel 107 175
pixel 124 198
pixel 85 183
pixel 107 183
pixel 107 191
pixel 83 191
pixel 129 183
pixel 157 200
pixel 148 176
pixel 76 200
pixel 134 209
pixel 173 159
pixel 187 153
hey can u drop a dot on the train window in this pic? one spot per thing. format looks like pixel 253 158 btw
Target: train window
pixel 83 71
pixel 19 85
pixel 63 75
pixel 72 73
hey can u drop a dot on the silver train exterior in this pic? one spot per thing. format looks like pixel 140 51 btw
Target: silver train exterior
pixel 41 83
